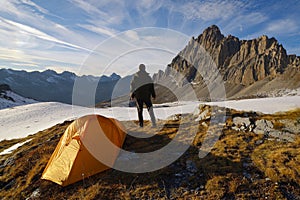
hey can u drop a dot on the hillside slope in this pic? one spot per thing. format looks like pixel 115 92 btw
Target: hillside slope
pixel 243 163
pixel 9 99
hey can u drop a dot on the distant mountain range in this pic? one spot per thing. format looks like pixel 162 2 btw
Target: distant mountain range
pixel 52 86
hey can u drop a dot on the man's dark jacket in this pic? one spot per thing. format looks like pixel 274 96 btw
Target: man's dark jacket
pixel 142 86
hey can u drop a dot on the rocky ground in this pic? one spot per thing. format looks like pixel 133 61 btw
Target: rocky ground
pixel 233 155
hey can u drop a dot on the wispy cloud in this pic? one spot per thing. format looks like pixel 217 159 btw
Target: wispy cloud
pixel 147 9
pixel 34 5
pixel 132 34
pixel 24 29
pixel 24 64
pixel 41 22
pixel 105 13
pixel 283 26
pixel 293 50
pixel 280 29
pixel 13 55
pixel 31 38
pixel 33 57
pixel 89 8
pixel 99 30
pixel 242 22
pixel 210 10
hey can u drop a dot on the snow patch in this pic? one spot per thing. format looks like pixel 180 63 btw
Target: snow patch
pixel 29 119
pixel 10 99
pixel 264 105
pixel 12 148
pixel 283 93
pixel 51 80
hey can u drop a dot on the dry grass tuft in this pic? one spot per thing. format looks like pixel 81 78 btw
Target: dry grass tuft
pixel 279 161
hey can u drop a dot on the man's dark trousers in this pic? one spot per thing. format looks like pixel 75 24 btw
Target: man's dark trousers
pixel 140 103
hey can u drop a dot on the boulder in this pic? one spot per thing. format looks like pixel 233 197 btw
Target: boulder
pixel 241 123
pixel 291 126
pixel 266 127
pixel 203 112
pixel 263 126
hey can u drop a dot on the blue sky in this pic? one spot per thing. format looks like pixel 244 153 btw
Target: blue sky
pixel 84 36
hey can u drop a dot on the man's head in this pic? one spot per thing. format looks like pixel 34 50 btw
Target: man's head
pixel 142 67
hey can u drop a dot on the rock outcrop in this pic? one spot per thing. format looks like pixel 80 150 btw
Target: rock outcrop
pixel 250 122
pixel 4 88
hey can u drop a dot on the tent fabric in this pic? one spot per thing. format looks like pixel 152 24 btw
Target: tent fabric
pixel 74 157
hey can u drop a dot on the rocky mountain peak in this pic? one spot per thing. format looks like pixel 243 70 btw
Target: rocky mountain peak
pixel 210 37
pixel 241 63
pixel 294 60
pixel 115 76
pixel 213 32
pixel 49 72
pixel 265 45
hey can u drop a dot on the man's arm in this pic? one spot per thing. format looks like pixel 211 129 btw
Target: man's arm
pixel 153 91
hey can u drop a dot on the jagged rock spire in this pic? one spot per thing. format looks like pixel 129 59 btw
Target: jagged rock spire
pixel 240 61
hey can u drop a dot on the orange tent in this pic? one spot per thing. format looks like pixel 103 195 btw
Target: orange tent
pixel 87 142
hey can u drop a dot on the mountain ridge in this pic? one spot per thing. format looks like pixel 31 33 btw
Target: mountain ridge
pixel 242 64
pixel 52 86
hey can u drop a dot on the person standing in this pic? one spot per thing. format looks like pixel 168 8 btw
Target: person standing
pixel 142 89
